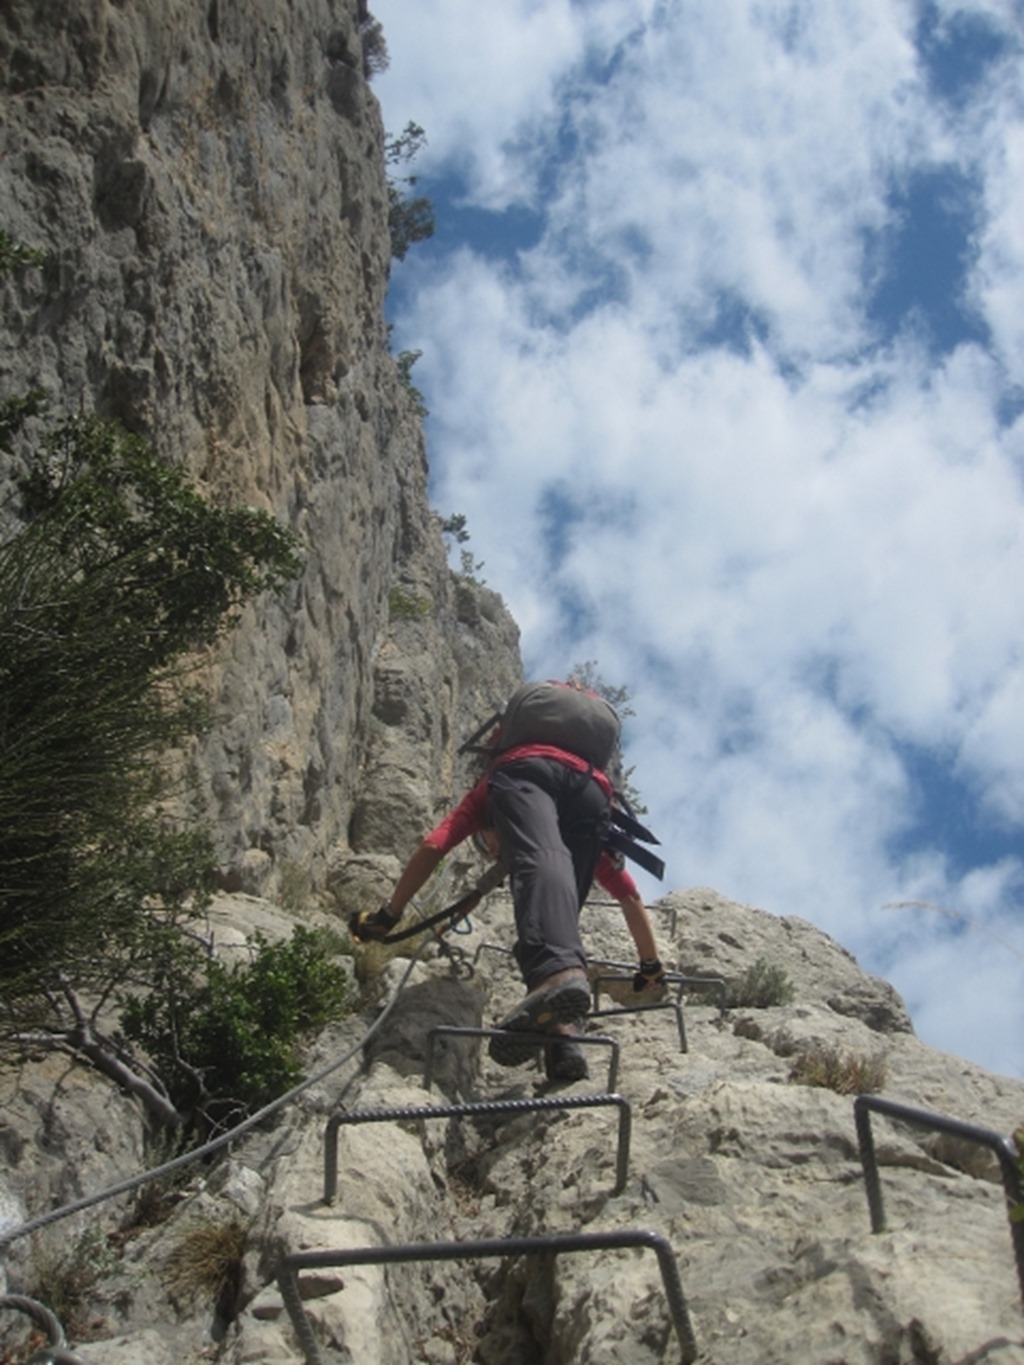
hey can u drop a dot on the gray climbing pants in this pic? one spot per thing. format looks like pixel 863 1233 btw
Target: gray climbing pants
pixel 550 821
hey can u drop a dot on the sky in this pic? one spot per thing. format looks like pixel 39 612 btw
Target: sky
pixel 722 334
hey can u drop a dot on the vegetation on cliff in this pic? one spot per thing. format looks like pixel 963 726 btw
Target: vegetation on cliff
pixel 410 216
pixel 116 573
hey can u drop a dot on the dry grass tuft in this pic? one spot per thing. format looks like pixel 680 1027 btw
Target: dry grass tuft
pixel 846 1073
pixel 206 1262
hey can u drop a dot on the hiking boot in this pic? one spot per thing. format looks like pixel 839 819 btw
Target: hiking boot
pixel 560 999
pixel 564 1059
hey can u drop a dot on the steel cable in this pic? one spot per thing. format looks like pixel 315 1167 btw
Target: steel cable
pixel 215 1145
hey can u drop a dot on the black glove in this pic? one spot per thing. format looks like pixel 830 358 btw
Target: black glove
pixel 372 926
pixel 651 973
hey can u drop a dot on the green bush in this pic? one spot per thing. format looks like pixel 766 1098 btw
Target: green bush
pixel 410 217
pixel 404 363
pixel 16 255
pixel 760 987
pixel 407 606
pixel 410 220
pixel 114 573
pixel 376 57
pixel 118 572
pixel 228 1037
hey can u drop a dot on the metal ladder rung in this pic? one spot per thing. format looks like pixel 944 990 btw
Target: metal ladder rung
pixel 1004 1148
pixel 480 1108
pixel 289 1267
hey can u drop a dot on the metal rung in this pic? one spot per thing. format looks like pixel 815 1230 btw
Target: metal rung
pixel 699 982
pixel 670 910
pixel 1004 1148
pixel 542 1040
pixel 287 1274
pixel 671 978
pixel 56 1352
pixel 478 1109
pixel 490 948
pixel 674 1005
pixel 679 979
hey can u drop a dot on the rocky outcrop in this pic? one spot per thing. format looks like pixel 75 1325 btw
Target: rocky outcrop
pixel 753 1178
pixel 208 185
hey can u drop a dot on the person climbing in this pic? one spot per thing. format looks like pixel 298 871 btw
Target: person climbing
pixel 548 804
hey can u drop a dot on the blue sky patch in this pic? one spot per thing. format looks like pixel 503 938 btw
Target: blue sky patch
pixel 917 267
pixel 735 327
pixel 557 514
pixel 1011 406
pixel 948 816
pixel 958 53
pixel 496 236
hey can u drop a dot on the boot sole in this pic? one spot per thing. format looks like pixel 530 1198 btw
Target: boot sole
pixel 565 1062
pixel 561 1005
pixel 508 1050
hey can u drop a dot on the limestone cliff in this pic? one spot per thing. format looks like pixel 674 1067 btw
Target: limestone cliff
pixel 208 184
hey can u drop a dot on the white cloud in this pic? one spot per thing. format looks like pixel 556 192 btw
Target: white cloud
pixel 999 275
pixel 482 79
pixel 737 153
pixel 801 554
pixel 959 966
pixel 994 744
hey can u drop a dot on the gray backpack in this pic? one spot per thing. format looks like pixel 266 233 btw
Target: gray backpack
pixel 563 715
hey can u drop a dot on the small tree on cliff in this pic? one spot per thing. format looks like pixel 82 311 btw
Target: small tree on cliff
pixel 410 217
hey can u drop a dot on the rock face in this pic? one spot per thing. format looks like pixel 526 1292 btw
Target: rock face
pixel 208 184
pixel 753 1178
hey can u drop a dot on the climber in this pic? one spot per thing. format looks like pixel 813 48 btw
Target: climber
pixel 549 810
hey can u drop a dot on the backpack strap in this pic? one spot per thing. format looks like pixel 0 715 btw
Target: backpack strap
pixel 628 836
pixel 636 853
pixel 471 744
pixel 629 824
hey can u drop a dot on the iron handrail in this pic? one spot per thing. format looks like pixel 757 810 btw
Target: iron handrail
pixel 288 1268
pixel 541 1039
pixel 55 1352
pixel 478 1108
pixel 1004 1148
